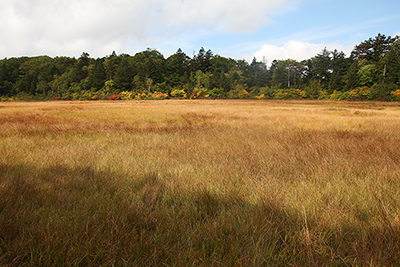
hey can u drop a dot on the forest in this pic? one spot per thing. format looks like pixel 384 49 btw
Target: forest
pixel 370 72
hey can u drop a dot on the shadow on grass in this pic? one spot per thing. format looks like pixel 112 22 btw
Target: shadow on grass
pixel 82 217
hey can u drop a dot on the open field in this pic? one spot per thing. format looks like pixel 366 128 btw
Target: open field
pixel 200 183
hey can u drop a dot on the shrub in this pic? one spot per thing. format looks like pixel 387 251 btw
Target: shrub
pixel 159 95
pixel 238 91
pixel 127 95
pixel 75 96
pixel 114 97
pixel 383 91
pixel 290 94
pixel 66 97
pixel 313 89
pixel 4 98
pixel 335 95
pixel 262 96
pixel 243 94
pixel 141 96
pixel 268 92
pixel 199 93
pixel 283 94
pixel 395 94
pixel 322 94
pixel 179 93
pixel 216 93
pixel 357 94
pixel 88 95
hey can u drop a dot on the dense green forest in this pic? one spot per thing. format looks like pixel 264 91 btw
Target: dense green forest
pixel 370 72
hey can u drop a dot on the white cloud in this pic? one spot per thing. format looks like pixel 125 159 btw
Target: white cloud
pixel 296 50
pixel 230 15
pixel 69 27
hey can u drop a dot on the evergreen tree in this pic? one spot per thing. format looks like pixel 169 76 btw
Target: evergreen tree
pixel 373 50
pixel 221 64
pixel 202 61
pixel 124 76
pixel 150 64
pixel 339 66
pixel 97 74
pixel 111 65
pixel 258 74
pixel 177 68
pixel 352 79
pixel 286 73
pixel 81 67
pixel 322 67
pixel 389 66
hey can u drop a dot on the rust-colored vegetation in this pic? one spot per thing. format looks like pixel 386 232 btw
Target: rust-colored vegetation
pixel 201 183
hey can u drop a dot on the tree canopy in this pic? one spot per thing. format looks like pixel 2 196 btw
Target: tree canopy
pixel 374 63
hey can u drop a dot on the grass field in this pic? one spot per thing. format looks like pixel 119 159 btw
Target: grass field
pixel 199 183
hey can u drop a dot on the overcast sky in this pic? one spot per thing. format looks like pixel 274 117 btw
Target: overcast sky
pixel 241 29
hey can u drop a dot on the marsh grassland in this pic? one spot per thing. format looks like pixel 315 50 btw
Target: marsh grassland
pixel 200 183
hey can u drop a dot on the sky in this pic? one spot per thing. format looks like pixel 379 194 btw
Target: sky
pixel 240 29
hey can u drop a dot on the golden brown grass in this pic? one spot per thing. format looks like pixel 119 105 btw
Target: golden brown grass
pixel 203 183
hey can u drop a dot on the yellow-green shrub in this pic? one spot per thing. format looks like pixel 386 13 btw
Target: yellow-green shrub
pixel 238 91
pixel 262 96
pixel 159 95
pixel 199 93
pixel 140 96
pixel 335 95
pixel 363 92
pixel 290 93
pixel 179 93
pixel 322 94
pixel 396 94
pixel 127 95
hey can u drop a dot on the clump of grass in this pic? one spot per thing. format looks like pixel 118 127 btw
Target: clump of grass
pixel 203 183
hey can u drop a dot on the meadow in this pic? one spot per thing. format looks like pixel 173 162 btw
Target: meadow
pixel 200 183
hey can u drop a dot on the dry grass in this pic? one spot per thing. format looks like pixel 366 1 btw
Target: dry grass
pixel 202 183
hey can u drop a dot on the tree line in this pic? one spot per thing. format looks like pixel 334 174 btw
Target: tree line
pixel 371 71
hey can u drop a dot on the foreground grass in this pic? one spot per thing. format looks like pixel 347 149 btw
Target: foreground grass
pixel 202 183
